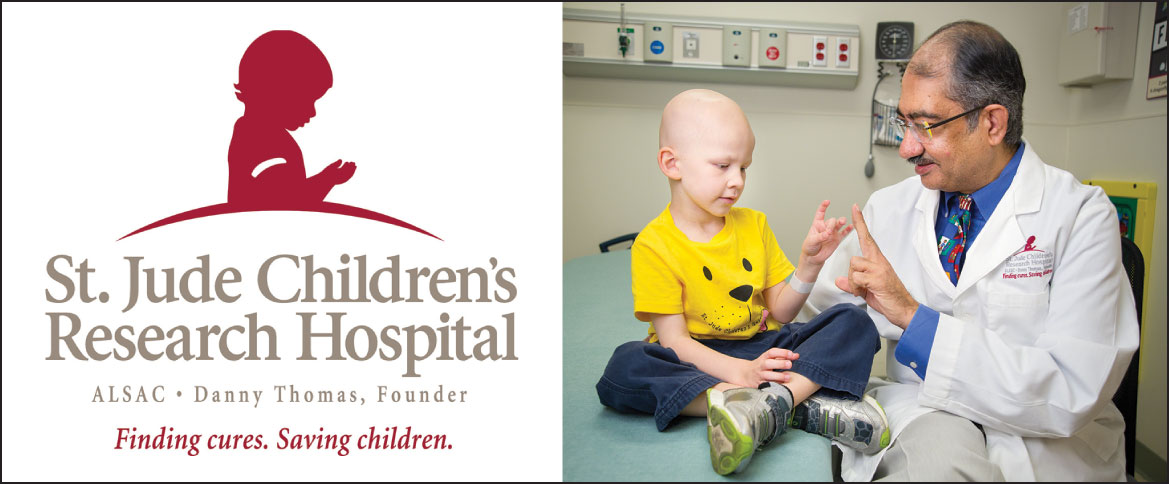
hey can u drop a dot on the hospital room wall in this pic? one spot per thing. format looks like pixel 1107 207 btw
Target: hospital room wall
pixel 812 143
pixel 1117 134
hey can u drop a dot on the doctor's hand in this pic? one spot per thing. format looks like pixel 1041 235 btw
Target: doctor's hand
pixel 871 277
pixel 823 237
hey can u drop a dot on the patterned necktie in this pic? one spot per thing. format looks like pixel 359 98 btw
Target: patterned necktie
pixel 952 242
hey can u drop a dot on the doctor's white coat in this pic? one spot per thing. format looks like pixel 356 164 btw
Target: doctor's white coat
pixel 1033 341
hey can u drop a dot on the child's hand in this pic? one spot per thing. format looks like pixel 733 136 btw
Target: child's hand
pixel 761 369
pixel 340 172
pixel 823 237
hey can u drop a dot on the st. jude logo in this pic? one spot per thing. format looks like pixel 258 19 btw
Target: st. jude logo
pixel 281 76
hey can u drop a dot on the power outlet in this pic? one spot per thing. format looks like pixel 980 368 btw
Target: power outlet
pixel 772 48
pixel 736 46
pixel 843 51
pixel 819 51
pixel 690 45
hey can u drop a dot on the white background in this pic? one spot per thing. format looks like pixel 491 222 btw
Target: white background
pixel 115 116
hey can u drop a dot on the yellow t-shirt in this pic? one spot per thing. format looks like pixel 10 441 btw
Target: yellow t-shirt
pixel 717 285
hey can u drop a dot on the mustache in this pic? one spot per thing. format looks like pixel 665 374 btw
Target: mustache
pixel 921 160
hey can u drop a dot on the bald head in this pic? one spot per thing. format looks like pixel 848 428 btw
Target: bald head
pixel 702 116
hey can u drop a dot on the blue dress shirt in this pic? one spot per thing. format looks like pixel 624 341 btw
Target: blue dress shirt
pixel 913 350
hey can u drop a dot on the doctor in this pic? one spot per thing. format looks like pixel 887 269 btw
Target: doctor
pixel 997 280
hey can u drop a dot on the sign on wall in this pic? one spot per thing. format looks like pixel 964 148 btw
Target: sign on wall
pixel 1157 74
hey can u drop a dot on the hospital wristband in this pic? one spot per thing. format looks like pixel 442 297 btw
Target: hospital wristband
pixel 799 285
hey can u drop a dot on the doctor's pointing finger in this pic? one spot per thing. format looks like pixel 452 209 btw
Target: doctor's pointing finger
pixel 870 276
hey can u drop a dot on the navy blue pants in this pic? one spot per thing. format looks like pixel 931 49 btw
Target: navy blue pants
pixel 836 351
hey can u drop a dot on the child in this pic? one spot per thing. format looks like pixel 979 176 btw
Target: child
pixel 706 275
pixel 281 76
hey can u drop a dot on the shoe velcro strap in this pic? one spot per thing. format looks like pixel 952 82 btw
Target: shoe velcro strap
pixel 778 416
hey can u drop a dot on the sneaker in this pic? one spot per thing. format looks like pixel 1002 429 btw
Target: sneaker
pixel 740 420
pixel 859 424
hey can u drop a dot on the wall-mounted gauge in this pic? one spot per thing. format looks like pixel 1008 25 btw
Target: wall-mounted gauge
pixel 894 41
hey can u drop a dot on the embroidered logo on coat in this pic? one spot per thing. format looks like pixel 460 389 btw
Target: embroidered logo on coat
pixel 1029 262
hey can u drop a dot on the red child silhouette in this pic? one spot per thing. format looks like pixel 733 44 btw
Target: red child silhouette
pixel 281 75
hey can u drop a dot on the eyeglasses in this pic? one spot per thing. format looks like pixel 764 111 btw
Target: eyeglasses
pixel 923 130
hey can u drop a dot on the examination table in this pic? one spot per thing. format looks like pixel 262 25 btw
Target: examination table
pixel 601 444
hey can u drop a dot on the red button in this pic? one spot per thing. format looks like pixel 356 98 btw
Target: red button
pixel 843 57
pixel 819 46
pixel 843 47
pixel 819 56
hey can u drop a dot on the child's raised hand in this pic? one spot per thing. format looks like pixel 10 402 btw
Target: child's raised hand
pixel 340 171
pixel 824 236
pixel 761 369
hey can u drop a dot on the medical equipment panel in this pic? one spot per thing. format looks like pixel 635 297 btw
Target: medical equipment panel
pixel 742 51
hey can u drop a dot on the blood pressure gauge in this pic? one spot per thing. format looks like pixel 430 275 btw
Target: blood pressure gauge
pixel 894 41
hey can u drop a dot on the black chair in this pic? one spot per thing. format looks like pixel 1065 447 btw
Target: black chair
pixel 1126 396
pixel 624 238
